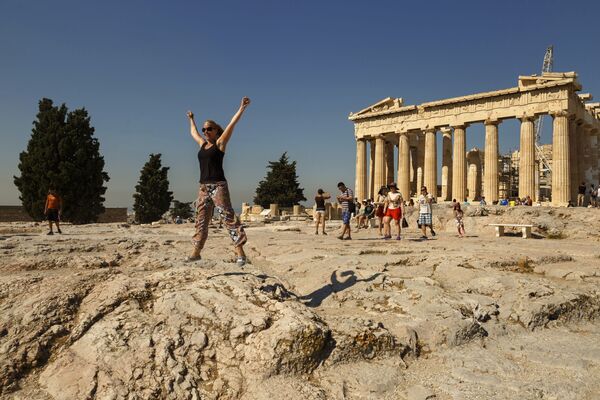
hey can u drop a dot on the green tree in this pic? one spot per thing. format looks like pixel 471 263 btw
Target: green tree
pixel 62 152
pixel 152 198
pixel 183 210
pixel 281 185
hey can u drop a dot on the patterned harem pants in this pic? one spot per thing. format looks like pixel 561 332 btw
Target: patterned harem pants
pixel 215 196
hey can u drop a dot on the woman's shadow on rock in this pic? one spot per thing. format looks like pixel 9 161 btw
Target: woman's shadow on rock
pixel 315 298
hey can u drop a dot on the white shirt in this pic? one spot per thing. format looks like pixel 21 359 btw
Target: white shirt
pixel 424 205
pixel 394 200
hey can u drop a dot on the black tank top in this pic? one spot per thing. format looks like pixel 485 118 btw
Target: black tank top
pixel 320 202
pixel 211 164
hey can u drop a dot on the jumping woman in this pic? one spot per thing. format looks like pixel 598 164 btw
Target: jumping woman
pixel 213 191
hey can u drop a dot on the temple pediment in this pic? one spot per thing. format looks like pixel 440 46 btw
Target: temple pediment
pixel 386 104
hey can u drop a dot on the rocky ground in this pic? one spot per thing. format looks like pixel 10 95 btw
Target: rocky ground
pixel 112 312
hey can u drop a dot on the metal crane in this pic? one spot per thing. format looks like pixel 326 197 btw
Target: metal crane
pixel 546 67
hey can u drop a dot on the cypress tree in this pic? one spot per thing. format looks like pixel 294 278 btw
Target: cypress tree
pixel 152 198
pixel 280 186
pixel 63 153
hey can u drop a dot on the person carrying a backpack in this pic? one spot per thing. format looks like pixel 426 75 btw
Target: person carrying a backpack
pixel 346 199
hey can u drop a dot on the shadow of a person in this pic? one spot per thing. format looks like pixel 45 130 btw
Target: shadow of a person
pixel 315 298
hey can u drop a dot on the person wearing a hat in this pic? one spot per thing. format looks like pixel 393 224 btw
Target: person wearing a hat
pixel 379 206
pixel 393 210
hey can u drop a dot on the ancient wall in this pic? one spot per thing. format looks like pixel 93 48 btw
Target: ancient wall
pixel 17 214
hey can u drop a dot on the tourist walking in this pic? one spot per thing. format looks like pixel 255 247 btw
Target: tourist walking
pixel 53 210
pixel 581 194
pixel 393 210
pixel 320 210
pixel 594 196
pixel 346 199
pixel 458 217
pixel 214 190
pixel 379 207
pixel 425 219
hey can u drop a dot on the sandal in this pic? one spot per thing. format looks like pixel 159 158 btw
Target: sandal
pixel 241 261
pixel 189 259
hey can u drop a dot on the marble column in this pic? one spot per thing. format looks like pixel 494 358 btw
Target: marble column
pixel 372 168
pixel 404 165
pixel 459 163
pixel 573 145
pixel 490 163
pixel 389 162
pixel 431 162
pixel 413 167
pixel 527 158
pixel 473 175
pixel 446 164
pixel 561 173
pixel 420 162
pixel 594 155
pixel 380 172
pixel 587 154
pixel 581 144
pixel 361 169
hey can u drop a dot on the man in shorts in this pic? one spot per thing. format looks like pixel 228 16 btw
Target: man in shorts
pixel 53 209
pixel 425 220
pixel 346 199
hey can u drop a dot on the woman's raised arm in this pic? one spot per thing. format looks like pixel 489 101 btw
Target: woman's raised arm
pixel 226 135
pixel 194 130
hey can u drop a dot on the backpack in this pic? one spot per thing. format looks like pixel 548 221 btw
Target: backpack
pixel 351 207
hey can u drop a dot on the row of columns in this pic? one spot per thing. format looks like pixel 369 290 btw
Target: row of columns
pixel 571 142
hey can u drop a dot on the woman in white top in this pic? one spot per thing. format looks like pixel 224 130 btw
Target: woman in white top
pixel 393 209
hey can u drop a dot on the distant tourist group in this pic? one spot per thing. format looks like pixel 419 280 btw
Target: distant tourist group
pixel 389 206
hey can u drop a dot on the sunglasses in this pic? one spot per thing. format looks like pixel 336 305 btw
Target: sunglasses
pixel 209 129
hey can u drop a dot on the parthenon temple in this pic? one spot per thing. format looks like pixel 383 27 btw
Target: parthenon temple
pixel 413 130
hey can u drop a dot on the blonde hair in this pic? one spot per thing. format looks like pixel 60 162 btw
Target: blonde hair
pixel 215 125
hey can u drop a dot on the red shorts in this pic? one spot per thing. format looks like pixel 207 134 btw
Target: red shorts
pixel 395 213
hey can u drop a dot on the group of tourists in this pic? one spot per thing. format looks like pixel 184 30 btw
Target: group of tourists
pixel 388 208
pixel 592 193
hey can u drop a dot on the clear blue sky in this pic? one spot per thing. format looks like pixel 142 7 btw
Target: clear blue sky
pixel 137 66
